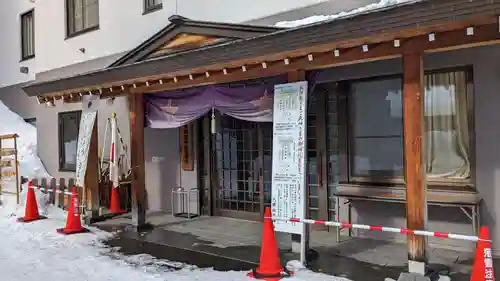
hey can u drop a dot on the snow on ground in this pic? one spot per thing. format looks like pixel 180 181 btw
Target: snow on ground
pixel 35 251
pixel 319 18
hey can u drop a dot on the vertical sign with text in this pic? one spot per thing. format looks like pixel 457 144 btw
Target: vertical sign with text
pixel 89 114
pixel 289 151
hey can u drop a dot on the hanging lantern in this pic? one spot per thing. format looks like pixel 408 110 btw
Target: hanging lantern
pixel 212 123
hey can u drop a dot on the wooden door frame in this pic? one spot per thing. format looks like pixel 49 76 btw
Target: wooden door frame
pixel 206 179
pixel 214 183
pixel 321 158
pixel 321 172
pixel 260 145
pixel 214 186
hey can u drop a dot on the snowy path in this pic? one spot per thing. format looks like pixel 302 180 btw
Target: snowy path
pixel 35 251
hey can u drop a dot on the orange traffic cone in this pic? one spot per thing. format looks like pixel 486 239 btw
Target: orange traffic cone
pixel 114 207
pixel 31 210
pixel 483 262
pixel 270 265
pixel 73 221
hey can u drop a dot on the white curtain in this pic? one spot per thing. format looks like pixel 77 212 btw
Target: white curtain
pixel 91 11
pixel 77 16
pixel 446 126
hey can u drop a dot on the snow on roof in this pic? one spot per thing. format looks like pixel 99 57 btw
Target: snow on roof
pixel 365 9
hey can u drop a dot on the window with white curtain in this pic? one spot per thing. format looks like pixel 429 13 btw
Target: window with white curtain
pixel 28 35
pixel 447 126
pixel 81 16
pixel 375 126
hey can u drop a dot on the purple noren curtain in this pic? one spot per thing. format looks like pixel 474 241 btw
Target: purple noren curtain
pixel 251 102
pixel 176 108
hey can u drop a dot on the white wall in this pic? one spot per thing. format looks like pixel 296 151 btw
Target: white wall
pixel 240 10
pixel 10 43
pixel 123 26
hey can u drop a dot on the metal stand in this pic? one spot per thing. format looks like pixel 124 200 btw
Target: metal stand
pixel 471 210
pixel 184 198
pixel 122 158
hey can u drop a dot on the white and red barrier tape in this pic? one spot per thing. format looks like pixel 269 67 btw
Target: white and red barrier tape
pixel 52 190
pixel 382 228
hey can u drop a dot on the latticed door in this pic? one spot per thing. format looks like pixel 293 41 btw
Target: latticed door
pixel 322 152
pixel 332 145
pixel 243 162
pixel 238 166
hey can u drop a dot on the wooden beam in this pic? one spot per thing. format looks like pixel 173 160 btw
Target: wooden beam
pixel 217 77
pixel 413 113
pixel 136 109
pixel 376 39
pixel 445 41
pixel 92 175
pixel 449 35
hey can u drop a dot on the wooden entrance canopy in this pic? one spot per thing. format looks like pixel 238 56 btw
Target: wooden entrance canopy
pixel 385 33
pixel 408 30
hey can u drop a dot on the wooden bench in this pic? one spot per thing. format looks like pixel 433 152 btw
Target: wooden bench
pixel 468 202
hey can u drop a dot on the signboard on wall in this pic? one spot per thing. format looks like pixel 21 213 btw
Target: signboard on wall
pixel 8 169
pixel 89 114
pixel 289 151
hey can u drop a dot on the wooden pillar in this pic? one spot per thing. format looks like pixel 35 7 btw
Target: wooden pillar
pixel 92 176
pixel 207 158
pixel 215 181
pixel 260 148
pixel 296 76
pixel 413 116
pixel 136 109
pixel 322 156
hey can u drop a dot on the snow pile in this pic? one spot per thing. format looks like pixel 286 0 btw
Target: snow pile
pixel 30 165
pixel 9 207
pixel 319 18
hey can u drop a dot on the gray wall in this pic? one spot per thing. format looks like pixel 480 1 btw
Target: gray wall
pixel 15 99
pixel 163 168
pixel 487 113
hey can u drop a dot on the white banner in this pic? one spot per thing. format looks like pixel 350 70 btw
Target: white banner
pixel 114 172
pixel 289 151
pixel 89 114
